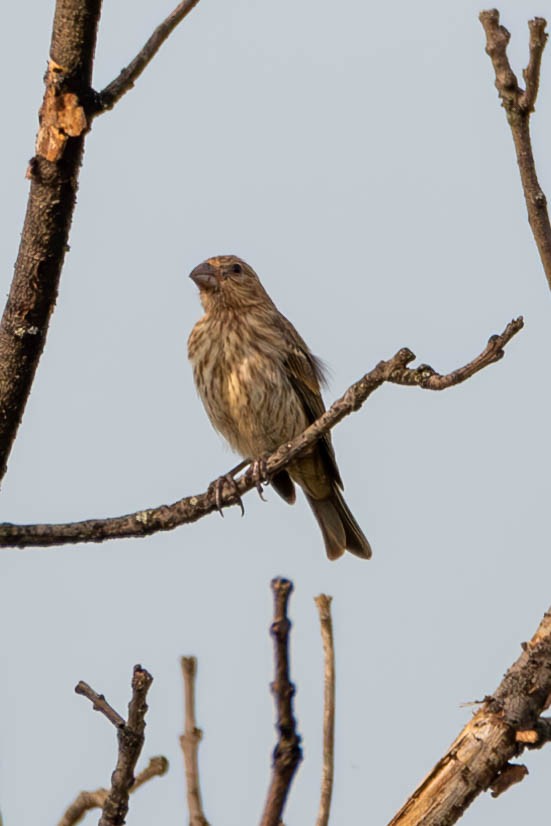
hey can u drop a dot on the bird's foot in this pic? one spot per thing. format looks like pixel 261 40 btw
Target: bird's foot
pixel 218 488
pixel 259 474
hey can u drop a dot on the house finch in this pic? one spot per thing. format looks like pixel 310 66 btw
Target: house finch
pixel 260 386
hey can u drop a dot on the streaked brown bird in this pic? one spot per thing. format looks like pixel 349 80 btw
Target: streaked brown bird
pixel 260 386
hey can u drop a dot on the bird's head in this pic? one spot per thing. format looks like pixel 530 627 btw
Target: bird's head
pixel 227 281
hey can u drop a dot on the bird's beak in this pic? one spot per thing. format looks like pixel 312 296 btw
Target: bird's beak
pixel 205 276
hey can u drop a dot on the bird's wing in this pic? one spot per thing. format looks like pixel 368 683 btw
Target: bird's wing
pixel 306 374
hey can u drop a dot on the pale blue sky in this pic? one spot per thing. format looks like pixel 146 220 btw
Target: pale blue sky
pixel 356 156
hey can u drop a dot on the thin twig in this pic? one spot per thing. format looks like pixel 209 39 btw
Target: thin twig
pixel 189 742
pixel 128 76
pixel 531 75
pixel 100 704
pixel 191 508
pixel 130 736
pixel 482 751
pixel 287 753
pixel 323 603
pixel 85 801
pixel 519 104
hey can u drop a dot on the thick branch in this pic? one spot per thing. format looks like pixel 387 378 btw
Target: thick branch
pixel 519 104
pixel 323 603
pixel 189 742
pixel 287 753
pixel 130 736
pixel 54 178
pixel 192 508
pixel 85 801
pixel 128 76
pixel 67 110
pixel 480 755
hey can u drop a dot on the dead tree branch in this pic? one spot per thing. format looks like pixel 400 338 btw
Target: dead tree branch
pixel 85 801
pixel 519 104
pixel 480 755
pixel 126 79
pixel 191 508
pixel 323 603
pixel 189 742
pixel 54 174
pixel 287 753
pixel 99 703
pixel 68 108
pixel 130 736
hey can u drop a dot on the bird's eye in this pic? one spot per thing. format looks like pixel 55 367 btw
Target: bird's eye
pixel 237 268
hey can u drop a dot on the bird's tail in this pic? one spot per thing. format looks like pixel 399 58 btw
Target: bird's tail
pixel 340 530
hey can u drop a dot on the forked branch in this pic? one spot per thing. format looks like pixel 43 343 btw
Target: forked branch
pixel 130 736
pixel 85 801
pixel 68 108
pixel 519 104
pixel 287 753
pixel 192 508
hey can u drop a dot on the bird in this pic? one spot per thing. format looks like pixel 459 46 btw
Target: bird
pixel 261 386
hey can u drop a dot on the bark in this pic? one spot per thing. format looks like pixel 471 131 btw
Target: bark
pixel 479 757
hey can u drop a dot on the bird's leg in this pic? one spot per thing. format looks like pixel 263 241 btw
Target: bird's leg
pixel 218 487
pixel 259 474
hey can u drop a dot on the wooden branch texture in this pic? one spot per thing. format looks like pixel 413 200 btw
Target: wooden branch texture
pixel 287 753
pixel 130 736
pixel 189 743
pixel 85 801
pixel 519 104
pixel 323 603
pixel 480 755
pixel 54 179
pixel 65 117
pixel 131 739
pixel 125 81
pixel 191 508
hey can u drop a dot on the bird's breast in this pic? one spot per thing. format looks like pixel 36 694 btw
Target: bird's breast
pixel 245 389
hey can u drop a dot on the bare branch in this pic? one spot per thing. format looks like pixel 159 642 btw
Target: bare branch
pixel 66 114
pixel 531 75
pixel 287 753
pixel 191 508
pixel 130 736
pixel 189 742
pixel 85 801
pixel 519 105
pixel 323 603
pixel 54 175
pixel 129 75
pixel 100 704
pixel 481 753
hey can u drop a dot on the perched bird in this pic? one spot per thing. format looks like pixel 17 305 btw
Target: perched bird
pixel 260 386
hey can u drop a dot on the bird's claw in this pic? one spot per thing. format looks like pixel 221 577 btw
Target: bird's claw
pixel 259 474
pixel 218 487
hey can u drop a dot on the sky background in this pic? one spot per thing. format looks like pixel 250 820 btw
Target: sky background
pixel 357 156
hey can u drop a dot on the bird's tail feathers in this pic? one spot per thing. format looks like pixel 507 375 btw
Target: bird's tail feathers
pixel 340 530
